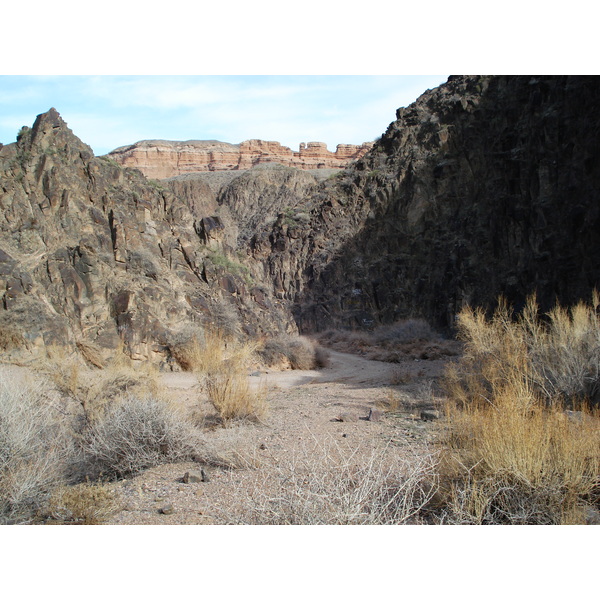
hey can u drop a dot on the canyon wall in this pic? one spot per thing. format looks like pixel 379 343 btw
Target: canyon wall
pixel 486 185
pixel 159 159
pixel 483 186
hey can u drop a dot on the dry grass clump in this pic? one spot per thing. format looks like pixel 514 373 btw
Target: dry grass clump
pixel 221 363
pixel 136 433
pixel 331 485
pixel 95 389
pixel 206 351
pixel 102 388
pixel 298 352
pixel 229 391
pixel 64 369
pixel 408 330
pixel 82 504
pixel 514 454
pixel 558 355
pixel 35 449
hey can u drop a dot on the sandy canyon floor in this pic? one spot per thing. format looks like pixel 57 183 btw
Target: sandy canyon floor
pixel 316 420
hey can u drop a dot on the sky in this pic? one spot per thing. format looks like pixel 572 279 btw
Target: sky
pixel 106 112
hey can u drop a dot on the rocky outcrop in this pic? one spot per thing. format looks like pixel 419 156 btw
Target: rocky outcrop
pixel 484 186
pixel 92 253
pixel 160 159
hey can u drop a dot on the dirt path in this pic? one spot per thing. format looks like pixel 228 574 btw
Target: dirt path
pixel 310 412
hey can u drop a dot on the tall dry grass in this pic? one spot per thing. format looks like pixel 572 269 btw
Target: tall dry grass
pixel 221 363
pixel 515 455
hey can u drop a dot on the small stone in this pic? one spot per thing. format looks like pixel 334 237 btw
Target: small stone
pixel 347 418
pixel 430 415
pixel 193 476
pixel 374 415
pixel 344 435
pixel 205 476
pixel 263 446
pixel 167 509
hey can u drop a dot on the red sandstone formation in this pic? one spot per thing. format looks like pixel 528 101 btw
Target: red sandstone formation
pixel 160 159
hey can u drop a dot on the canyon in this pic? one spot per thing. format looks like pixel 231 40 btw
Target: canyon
pixel 484 186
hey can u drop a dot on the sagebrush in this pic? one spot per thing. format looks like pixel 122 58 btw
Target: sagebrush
pixel 36 448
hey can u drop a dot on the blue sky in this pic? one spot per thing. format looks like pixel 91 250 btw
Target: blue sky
pixel 110 111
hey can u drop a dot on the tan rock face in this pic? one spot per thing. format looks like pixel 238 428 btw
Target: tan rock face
pixel 159 159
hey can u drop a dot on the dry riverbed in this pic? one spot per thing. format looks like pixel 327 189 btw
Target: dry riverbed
pixel 343 414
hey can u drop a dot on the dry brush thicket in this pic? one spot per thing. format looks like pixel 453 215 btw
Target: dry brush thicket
pixel 335 484
pixel 101 420
pixel 523 438
pixel 404 340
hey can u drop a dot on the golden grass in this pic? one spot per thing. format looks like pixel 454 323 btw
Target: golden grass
pixel 229 391
pixel 513 454
pixel 221 363
pixel 96 389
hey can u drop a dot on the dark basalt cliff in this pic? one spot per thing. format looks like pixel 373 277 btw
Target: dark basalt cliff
pixel 484 186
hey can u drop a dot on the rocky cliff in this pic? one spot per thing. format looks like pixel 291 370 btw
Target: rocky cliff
pixel 160 159
pixel 483 186
pixel 92 253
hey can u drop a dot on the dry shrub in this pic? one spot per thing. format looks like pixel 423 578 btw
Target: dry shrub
pixel 221 363
pixel 103 388
pixel 322 357
pixel 400 341
pixel 408 330
pixel 205 352
pixel 334 485
pixel 138 433
pixel 559 355
pixel 10 338
pixel 64 369
pixel 514 456
pixel 229 391
pixel 299 352
pixel 82 504
pixel 392 402
pixel 35 449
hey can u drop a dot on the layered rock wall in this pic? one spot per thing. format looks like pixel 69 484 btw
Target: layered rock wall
pixel 159 159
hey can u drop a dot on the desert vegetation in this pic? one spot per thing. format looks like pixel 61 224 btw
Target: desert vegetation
pixel 331 484
pixel 522 444
pixel 91 422
pixel 518 441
